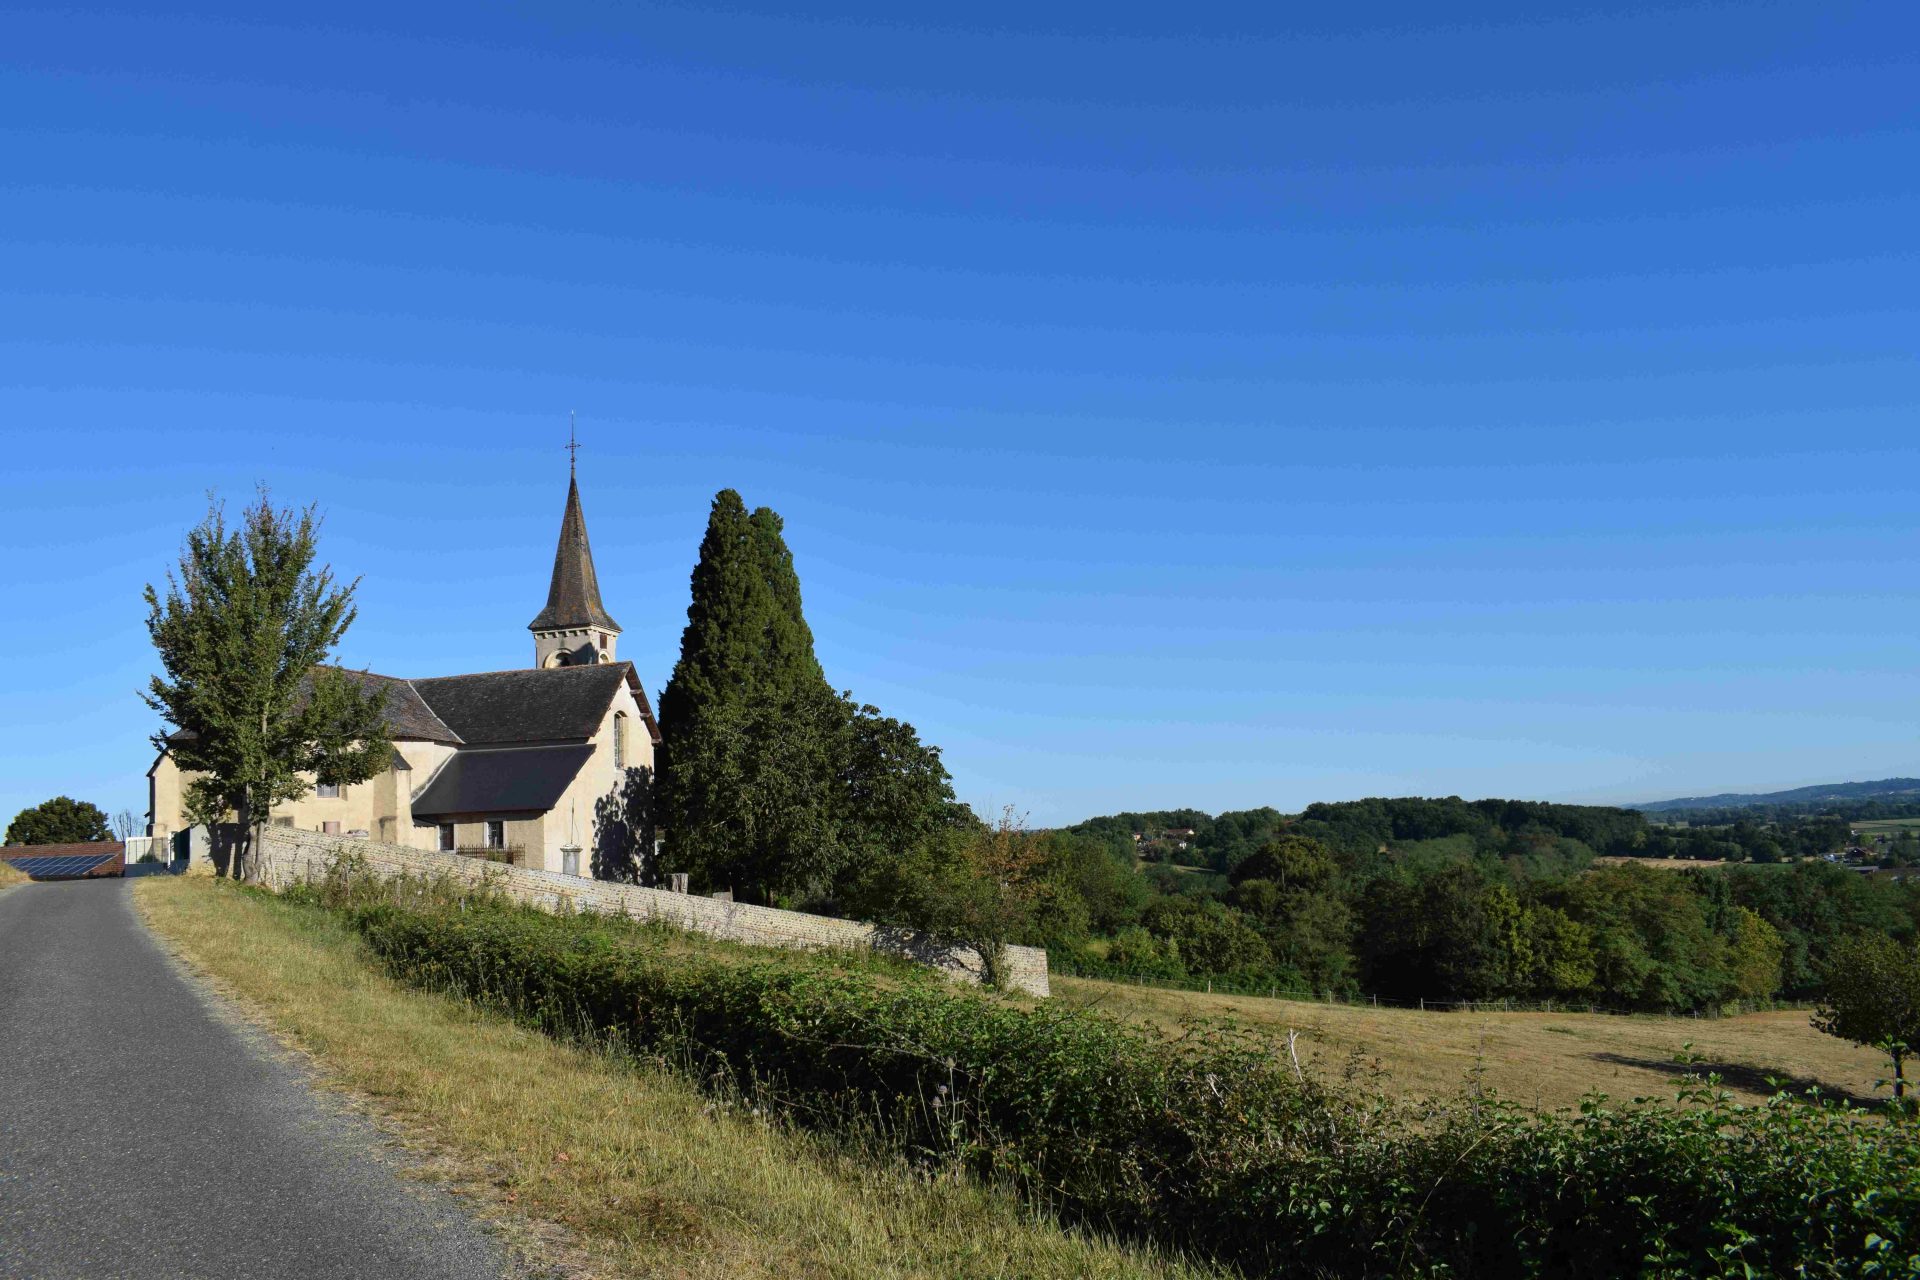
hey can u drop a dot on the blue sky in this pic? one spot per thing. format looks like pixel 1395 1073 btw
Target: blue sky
pixel 1169 405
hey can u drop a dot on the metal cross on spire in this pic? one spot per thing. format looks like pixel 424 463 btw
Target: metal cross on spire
pixel 573 446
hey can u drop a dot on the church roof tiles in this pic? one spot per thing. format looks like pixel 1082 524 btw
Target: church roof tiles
pixel 408 716
pixel 534 704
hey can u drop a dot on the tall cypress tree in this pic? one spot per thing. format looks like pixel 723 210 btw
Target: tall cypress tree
pixel 790 657
pixel 747 719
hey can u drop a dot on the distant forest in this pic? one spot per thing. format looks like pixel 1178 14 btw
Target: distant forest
pixel 1450 899
pixel 1834 796
pixel 1512 828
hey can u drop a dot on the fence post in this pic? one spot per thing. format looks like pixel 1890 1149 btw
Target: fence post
pixel 1423 1004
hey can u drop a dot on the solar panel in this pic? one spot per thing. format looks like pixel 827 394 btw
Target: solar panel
pixel 68 865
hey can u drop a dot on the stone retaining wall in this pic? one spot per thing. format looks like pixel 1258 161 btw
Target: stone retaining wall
pixel 289 857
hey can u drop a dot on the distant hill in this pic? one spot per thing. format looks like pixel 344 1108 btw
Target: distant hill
pixel 1885 789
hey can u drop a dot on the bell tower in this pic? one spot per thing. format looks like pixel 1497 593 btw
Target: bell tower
pixel 574 629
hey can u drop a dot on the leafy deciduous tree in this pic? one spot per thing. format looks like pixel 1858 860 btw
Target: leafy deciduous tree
pixel 1873 998
pixel 61 820
pixel 242 632
pixel 891 791
pixel 1290 861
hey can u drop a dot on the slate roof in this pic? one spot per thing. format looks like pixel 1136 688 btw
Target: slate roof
pixel 494 708
pixel 573 598
pixel 501 780
pixel 408 716
pixel 532 704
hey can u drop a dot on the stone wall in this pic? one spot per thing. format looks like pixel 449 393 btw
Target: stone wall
pixel 289 856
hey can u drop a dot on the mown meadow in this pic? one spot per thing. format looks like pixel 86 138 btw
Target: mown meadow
pixel 1544 1060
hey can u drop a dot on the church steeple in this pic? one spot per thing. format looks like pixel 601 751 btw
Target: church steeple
pixel 574 628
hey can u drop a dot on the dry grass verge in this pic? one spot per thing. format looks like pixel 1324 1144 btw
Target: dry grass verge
pixel 1542 1060
pixel 643 1175
pixel 9 877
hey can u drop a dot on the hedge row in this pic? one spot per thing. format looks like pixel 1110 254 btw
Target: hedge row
pixel 1209 1142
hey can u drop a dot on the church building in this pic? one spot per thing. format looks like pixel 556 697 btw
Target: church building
pixel 536 766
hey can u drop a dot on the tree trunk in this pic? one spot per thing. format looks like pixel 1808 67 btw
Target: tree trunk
pixel 1899 1076
pixel 241 866
pixel 993 962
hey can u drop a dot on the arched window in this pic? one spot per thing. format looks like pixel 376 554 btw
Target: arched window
pixel 619 739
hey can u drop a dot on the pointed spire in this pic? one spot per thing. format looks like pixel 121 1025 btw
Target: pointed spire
pixel 573 600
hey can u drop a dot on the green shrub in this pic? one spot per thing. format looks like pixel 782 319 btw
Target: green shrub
pixel 1137 953
pixel 1208 1141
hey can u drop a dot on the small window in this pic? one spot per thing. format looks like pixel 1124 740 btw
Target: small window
pixel 328 791
pixel 603 641
pixel 446 837
pixel 619 739
pixel 496 835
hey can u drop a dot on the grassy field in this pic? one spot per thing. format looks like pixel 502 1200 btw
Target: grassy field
pixel 1886 826
pixel 1663 864
pixel 10 877
pixel 605 1169
pixel 1544 1060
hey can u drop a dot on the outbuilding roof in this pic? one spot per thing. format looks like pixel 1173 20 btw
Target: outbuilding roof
pixel 501 780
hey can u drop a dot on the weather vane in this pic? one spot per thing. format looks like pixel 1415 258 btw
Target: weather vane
pixel 573 446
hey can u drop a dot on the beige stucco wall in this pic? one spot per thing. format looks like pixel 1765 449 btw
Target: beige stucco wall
pixel 572 818
pixel 381 806
pixel 164 813
pixel 426 759
pixel 289 856
pixel 525 832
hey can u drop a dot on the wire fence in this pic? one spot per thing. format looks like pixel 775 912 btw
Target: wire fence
pixel 1275 991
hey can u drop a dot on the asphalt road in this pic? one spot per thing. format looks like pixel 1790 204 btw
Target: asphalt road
pixel 143 1135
